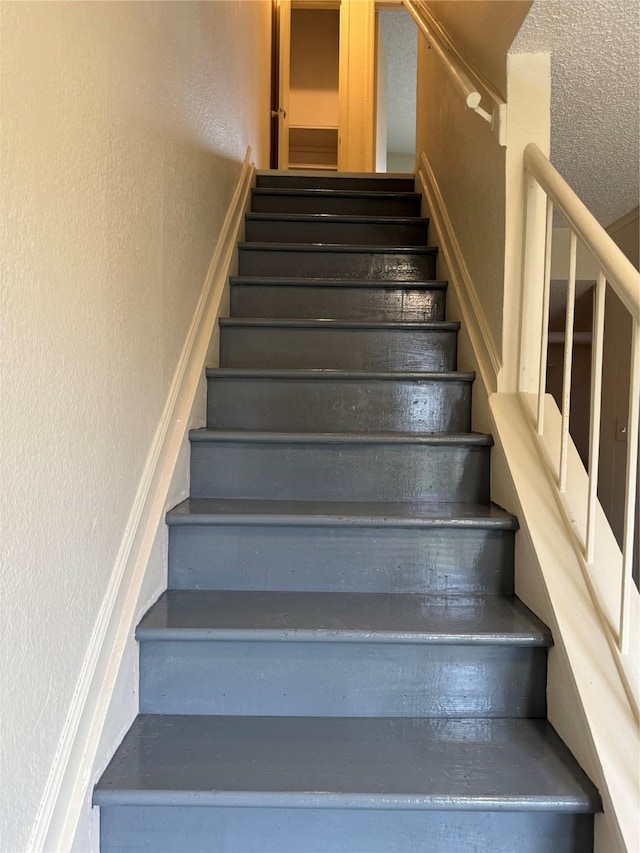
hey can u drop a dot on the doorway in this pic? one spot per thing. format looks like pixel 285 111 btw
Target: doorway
pixel 396 62
pixel 324 111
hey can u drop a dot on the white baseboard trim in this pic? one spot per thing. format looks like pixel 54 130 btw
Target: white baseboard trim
pixel 589 701
pixel 65 791
pixel 475 321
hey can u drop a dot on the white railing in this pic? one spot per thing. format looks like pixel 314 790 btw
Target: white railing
pixel 615 271
pixel 464 77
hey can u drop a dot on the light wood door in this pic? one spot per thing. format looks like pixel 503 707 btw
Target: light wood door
pixel 284 65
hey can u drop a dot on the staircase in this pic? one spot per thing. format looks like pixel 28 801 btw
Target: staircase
pixel 339 663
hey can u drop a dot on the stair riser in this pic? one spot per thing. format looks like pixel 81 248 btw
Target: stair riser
pixel 341 679
pixel 320 182
pixel 337 303
pixel 163 829
pixel 353 233
pixel 339 472
pixel 355 206
pixel 334 558
pixel 325 405
pixel 385 266
pixel 337 349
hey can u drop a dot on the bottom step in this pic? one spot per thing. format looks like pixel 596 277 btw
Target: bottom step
pixel 264 784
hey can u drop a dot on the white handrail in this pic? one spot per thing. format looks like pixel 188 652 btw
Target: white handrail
pixel 453 66
pixel 620 272
pixel 617 271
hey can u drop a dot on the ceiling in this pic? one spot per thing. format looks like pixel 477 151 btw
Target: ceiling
pixel 595 96
pixel 595 92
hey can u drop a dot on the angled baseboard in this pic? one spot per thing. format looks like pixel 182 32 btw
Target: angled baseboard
pixel 65 791
pixel 475 321
pixel 592 700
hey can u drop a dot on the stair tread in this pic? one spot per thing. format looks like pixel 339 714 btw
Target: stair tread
pixel 325 373
pixel 345 248
pixel 315 192
pixel 285 281
pixel 267 437
pixel 337 218
pixel 341 617
pixel 345 513
pixel 479 764
pixel 305 323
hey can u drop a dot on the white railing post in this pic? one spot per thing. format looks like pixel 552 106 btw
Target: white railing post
pixel 532 286
pixel 568 362
pixel 544 329
pixel 595 414
pixel 630 491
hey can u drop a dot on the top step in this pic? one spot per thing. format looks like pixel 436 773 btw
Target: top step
pixel 346 202
pixel 338 181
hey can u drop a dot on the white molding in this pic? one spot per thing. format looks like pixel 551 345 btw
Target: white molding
pixel 475 320
pixel 65 791
pixel 603 733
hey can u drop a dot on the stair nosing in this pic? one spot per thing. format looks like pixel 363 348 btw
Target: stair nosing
pixel 300 281
pixel 531 636
pixel 344 636
pixel 322 173
pixel 322 800
pixel 444 439
pixel 318 323
pixel 338 218
pixel 339 375
pixel 266 517
pixel 320 192
pixel 342 248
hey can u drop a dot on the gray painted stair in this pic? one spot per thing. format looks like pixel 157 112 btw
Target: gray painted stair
pixel 342 202
pixel 338 260
pixel 341 654
pixel 324 228
pixel 338 344
pixel 339 663
pixel 340 467
pixel 337 299
pixel 452 549
pixel 338 401
pixel 343 181
pixel 330 773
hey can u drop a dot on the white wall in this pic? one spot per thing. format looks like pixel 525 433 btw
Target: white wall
pixel 124 126
pixel 397 36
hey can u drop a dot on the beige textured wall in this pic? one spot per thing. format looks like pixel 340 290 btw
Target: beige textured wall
pixel 483 31
pixel 469 167
pixel 123 129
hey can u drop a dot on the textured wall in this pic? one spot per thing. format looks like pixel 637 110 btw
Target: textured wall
pixel 398 34
pixel 469 167
pixel 595 109
pixel 124 125
pixel 483 30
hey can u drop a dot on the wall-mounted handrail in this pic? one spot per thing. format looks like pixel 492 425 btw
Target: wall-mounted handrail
pixel 454 67
pixel 618 269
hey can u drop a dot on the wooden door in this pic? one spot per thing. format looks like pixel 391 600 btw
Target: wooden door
pixel 284 64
